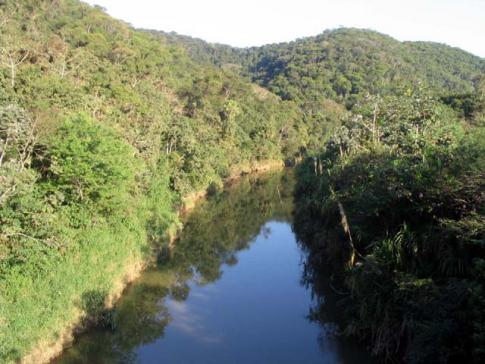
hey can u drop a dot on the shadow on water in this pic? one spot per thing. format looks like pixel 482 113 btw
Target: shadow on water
pixel 216 235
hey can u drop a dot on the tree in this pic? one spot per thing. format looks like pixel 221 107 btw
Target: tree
pixel 12 57
pixel 90 164
pixel 17 139
pixel 228 117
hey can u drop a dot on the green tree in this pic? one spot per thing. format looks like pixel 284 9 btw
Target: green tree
pixel 90 164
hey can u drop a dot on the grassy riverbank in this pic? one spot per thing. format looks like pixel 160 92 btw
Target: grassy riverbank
pixel 89 228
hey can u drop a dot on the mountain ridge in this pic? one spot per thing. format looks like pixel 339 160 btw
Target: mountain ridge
pixel 336 56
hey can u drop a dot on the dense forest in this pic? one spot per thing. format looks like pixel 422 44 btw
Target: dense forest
pixel 394 208
pixel 341 64
pixel 104 130
pixel 329 74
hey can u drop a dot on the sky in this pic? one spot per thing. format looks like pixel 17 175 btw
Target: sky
pixel 243 23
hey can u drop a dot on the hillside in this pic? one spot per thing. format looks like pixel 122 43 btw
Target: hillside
pixel 344 64
pixel 103 130
pixel 71 58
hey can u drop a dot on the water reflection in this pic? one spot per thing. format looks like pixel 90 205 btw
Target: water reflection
pixel 229 292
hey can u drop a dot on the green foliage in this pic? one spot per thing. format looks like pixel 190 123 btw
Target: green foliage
pixel 344 66
pixel 16 144
pixel 409 175
pixel 89 164
pixel 103 130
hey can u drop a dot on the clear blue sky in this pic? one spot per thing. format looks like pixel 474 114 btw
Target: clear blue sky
pixel 459 23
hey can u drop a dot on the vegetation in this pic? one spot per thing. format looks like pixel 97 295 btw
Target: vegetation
pixel 342 64
pixel 104 128
pixel 203 247
pixel 331 72
pixel 346 64
pixel 395 207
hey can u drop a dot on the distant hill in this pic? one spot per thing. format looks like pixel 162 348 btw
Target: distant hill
pixel 342 64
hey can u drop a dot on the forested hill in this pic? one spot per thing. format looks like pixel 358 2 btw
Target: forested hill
pixel 68 57
pixel 344 63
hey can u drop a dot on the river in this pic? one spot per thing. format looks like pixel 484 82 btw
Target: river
pixel 231 291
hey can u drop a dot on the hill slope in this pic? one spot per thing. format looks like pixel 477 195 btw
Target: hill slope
pixel 102 130
pixel 344 63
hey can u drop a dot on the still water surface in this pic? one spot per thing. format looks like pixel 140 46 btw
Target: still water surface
pixel 230 291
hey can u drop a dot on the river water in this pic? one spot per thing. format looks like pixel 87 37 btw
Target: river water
pixel 231 291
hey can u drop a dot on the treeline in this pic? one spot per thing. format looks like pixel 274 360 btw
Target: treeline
pixel 330 73
pixel 394 209
pixel 103 129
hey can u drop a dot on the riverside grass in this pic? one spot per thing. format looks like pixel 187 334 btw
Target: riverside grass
pixel 37 308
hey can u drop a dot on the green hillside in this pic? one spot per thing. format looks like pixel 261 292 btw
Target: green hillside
pixel 343 64
pixel 103 130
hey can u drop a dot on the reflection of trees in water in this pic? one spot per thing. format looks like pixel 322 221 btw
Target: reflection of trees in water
pixel 322 262
pixel 325 252
pixel 139 318
pixel 213 234
pixel 228 222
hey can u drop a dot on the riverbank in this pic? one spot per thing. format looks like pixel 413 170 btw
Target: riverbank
pixel 236 172
pixel 399 223
pixel 119 271
pixel 182 310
